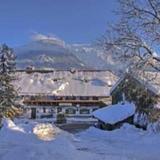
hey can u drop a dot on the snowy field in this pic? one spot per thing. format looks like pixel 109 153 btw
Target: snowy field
pixel 37 141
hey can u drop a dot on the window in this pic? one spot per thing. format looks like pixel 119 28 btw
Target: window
pixel 68 98
pixel 59 109
pixel 32 97
pixel 84 111
pixel 70 111
pixel 44 110
pixel 73 98
pixel 95 98
pixel 59 98
pixel 84 98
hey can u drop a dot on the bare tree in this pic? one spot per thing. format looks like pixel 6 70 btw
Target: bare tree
pixel 136 36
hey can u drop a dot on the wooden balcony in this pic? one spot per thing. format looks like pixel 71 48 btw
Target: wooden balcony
pixel 46 102
pixel 66 100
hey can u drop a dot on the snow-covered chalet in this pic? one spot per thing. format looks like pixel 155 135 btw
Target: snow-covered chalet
pixel 76 93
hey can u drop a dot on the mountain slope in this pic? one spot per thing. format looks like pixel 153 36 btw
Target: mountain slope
pixel 51 52
pixel 89 54
pixel 46 54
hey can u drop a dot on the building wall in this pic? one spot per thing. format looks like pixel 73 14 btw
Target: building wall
pixel 52 111
pixel 107 126
pixel 135 92
pixel 71 106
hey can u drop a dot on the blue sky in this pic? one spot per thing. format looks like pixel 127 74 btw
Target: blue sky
pixel 74 21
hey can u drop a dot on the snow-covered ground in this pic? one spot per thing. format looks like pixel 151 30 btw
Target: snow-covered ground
pixel 21 140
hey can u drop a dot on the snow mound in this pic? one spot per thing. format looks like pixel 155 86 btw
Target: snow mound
pixel 9 124
pixel 17 145
pixel 115 113
pixel 46 132
pixel 154 127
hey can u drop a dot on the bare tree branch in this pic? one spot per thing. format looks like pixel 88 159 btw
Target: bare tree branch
pixel 136 36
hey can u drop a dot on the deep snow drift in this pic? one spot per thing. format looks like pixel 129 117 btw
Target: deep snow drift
pixel 17 142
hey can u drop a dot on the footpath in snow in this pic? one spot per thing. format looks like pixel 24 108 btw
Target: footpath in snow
pixel 36 141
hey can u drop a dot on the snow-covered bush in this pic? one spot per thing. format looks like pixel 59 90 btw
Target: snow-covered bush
pixel 45 131
pixel 9 124
pixel 154 127
pixel 157 105
pixel 148 122
pixel 141 120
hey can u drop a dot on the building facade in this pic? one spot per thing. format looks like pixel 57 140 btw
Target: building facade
pixel 75 94
pixel 49 106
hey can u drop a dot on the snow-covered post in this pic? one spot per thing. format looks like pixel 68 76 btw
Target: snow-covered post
pixel 123 98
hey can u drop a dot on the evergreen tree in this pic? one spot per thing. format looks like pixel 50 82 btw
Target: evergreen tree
pixel 8 95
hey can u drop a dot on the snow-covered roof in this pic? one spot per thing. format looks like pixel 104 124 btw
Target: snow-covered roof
pixel 117 83
pixel 115 113
pixel 65 83
pixel 150 79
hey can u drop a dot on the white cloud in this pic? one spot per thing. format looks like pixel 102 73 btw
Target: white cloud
pixel 48 38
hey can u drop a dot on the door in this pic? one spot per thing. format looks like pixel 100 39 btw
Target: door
pixel 33 113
